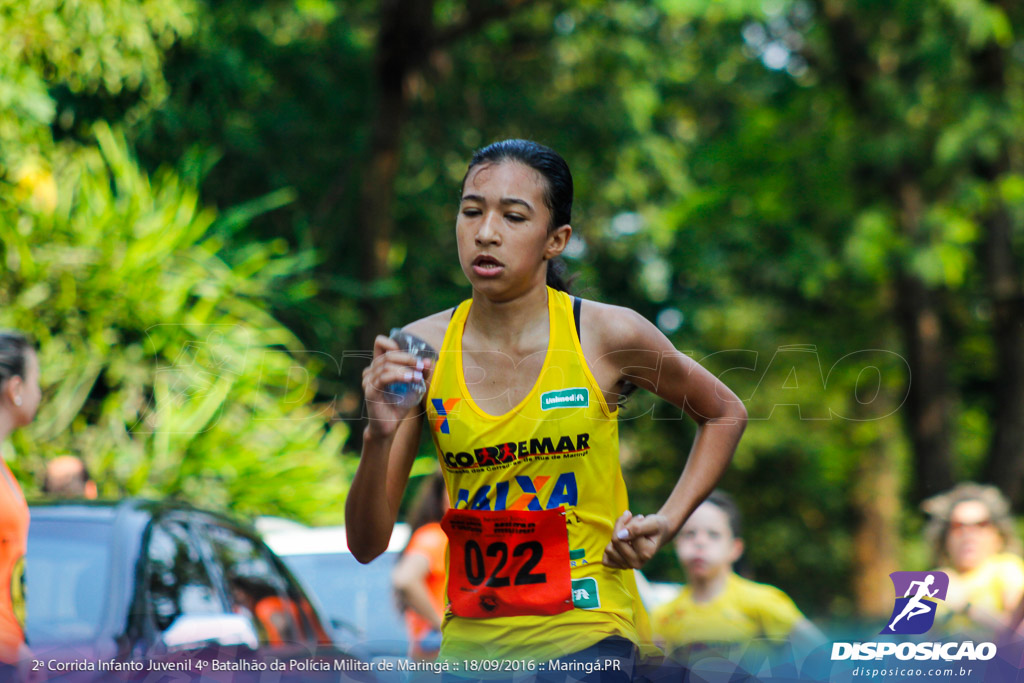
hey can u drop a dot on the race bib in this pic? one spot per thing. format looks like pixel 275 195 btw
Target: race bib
pixel 507 563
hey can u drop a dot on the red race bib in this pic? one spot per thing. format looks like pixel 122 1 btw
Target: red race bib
pixel 507 563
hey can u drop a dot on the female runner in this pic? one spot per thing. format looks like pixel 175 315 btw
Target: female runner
pixel 521 405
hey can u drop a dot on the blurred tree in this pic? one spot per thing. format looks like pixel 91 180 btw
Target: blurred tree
pixel 162 367
pixel 111 50
pixel 866 162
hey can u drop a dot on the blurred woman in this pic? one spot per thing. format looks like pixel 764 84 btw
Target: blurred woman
pixel 975 545
pixel 19 399
pixel 419 577
pixel 717 609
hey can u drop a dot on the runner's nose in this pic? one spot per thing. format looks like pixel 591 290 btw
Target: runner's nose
pixel 486 232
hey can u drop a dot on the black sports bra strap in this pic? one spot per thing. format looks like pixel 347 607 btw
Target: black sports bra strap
pixel 576 304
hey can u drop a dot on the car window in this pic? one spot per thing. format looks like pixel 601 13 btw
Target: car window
pixel 357 598
pixel 66 575
pixel 178 582
pixel 259 590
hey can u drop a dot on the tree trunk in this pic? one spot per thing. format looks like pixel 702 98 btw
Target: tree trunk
pixel 1005 466
pixel 929 399
pixel 876 542
pixel 917 308
pixel 403 43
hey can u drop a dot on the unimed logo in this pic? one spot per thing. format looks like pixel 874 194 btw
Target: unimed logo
pixel 565 398
pixel 916 593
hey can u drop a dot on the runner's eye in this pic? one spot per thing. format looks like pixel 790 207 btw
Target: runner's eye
pixel 515 217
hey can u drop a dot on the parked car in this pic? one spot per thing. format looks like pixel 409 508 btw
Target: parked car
pixel 357 599
pixel 137 585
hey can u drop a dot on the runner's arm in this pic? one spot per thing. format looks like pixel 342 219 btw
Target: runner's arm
pixel 642 355
pixel 409 579
pixel 384 467
pixel 390 441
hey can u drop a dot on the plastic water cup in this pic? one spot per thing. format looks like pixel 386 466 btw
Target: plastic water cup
pixel 407 394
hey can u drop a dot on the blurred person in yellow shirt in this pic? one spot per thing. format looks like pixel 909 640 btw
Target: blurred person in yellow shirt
pixel 717 611
pixel 975 545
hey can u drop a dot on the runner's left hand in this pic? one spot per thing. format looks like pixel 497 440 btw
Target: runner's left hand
pixel 634 540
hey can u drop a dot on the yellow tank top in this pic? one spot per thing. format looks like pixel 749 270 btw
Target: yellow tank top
pixel 558 447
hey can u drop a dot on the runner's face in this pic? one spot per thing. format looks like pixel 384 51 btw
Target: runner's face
pixel 972 537
pixel 705 545
pixel 502 228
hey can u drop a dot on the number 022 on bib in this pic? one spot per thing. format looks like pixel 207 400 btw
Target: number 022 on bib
pixel 507 563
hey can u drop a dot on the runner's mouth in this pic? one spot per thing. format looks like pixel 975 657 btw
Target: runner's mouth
pixel 485 265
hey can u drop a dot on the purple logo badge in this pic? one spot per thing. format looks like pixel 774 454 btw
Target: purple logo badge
pixel 916 595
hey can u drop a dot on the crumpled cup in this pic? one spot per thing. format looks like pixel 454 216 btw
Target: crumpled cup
pixel 407 394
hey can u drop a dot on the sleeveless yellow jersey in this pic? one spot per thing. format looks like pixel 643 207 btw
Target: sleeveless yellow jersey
pixel 558 447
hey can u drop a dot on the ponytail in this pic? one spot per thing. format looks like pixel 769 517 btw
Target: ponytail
pixel 558 276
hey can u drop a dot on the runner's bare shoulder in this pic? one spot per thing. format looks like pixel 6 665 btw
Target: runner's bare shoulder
pixel 430 329
pixel 606 328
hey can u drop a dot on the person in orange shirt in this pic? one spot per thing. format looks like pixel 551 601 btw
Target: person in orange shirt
pixel 276 617
pixel 19 400
pixel 419 576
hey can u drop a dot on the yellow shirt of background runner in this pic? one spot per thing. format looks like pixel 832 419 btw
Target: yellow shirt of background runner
pixel 744 611
pixel 983 587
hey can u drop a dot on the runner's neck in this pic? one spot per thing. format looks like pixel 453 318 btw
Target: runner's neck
pixel 706 590
pixel 509 324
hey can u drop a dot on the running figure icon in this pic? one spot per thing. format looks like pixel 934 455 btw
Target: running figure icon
pixel 915 605
pixel 917 597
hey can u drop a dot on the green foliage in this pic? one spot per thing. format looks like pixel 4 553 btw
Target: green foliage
pixel 84 46
pixel 162 367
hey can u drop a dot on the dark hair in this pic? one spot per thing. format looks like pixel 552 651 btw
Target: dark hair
pixel 727 504
pixel 428 506
pixel 14 346
pixel 557 194
pixel 255 588
pixel 940 507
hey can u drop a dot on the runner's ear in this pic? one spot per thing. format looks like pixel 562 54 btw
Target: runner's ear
pixel 558 239
pixel 737 550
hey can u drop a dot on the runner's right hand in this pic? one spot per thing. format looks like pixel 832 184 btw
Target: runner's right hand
pixel 390 365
